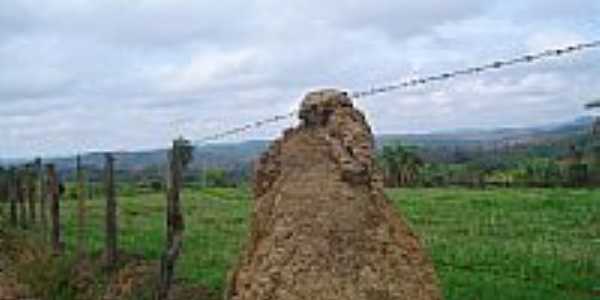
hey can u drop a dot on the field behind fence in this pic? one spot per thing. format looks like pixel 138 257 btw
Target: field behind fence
pixel 486 244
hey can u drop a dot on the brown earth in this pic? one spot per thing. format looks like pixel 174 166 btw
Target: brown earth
pixel 322 228
pixel 10 287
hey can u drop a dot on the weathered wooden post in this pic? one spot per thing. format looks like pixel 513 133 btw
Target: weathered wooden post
pixel 20 186
pixel 30 190
pixel 179 157
pixel 80 208
pixel 111 214
pixel 90 189
pixel 42 196
pixel 4 187
pixel 593 109
pixel 12 194
pixel 54 192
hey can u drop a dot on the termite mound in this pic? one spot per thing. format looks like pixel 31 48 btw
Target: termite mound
pixel 322 227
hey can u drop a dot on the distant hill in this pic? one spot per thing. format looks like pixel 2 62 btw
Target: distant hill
pixel 240 155
pixel 223 156
pixel 482 137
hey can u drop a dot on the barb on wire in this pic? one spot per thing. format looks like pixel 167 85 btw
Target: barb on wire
pixel 249 126
pixel 528 58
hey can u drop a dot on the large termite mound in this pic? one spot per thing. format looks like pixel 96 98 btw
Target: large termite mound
pixel 322 228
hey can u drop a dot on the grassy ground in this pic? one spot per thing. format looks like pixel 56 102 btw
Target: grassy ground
pixel 510 244
pixel 486 244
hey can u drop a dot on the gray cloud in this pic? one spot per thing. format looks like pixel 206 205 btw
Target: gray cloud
pixel 77 75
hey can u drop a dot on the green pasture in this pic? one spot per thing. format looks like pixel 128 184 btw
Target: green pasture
pixel 486 244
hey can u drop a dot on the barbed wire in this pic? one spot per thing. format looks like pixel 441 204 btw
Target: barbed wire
pixel 528 58
pixel 496 65
pixel 248 126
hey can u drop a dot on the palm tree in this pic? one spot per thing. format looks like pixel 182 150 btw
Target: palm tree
pixel 391 165
pixel 401 164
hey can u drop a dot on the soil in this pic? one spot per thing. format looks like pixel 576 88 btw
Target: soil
pixel 10 287
pixel 322 227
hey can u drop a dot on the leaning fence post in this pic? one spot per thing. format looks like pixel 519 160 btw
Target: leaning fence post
pixel 12 194
pixel 111 213
pixel 54 192
pixel 179 156
pixel 80 208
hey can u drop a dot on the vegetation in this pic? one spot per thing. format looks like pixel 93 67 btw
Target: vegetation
pixel 486 244
pixel 401 165
pixel 407 165
pixel 523 242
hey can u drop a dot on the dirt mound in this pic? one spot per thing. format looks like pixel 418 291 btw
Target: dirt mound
pixel 322 227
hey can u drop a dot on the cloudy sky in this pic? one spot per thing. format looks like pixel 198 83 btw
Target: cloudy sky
pixel 125 75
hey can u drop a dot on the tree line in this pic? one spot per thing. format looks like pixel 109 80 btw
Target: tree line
pixel 537 166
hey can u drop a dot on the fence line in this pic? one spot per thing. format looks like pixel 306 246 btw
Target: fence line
pixel 21 184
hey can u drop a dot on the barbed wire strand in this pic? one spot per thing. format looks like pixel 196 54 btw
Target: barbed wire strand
pixel 528 58
pixel 496 65
pixel 249 126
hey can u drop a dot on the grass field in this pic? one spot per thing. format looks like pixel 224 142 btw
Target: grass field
pixel 486 244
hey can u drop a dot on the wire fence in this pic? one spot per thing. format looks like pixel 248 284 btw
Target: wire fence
pixel 444 76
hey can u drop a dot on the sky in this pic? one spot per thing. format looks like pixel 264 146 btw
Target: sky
pixel 79 75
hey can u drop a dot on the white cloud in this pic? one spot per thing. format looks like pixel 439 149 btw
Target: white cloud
pixel 209 70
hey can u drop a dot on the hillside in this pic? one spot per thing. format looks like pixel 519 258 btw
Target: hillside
pixel 489 137
pixel 239 156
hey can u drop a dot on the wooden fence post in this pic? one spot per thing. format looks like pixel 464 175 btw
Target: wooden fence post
pixel 4 194
pixel 111 214
pixel 20 187
pixel 54 192
pixel 30 189
pixel 90 189
pixel 80 208
pixel 179 157
pixel 42 196
pixel 12 194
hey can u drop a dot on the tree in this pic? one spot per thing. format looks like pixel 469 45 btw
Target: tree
pixel 216 178
pixel 401 164
pixel 540 171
